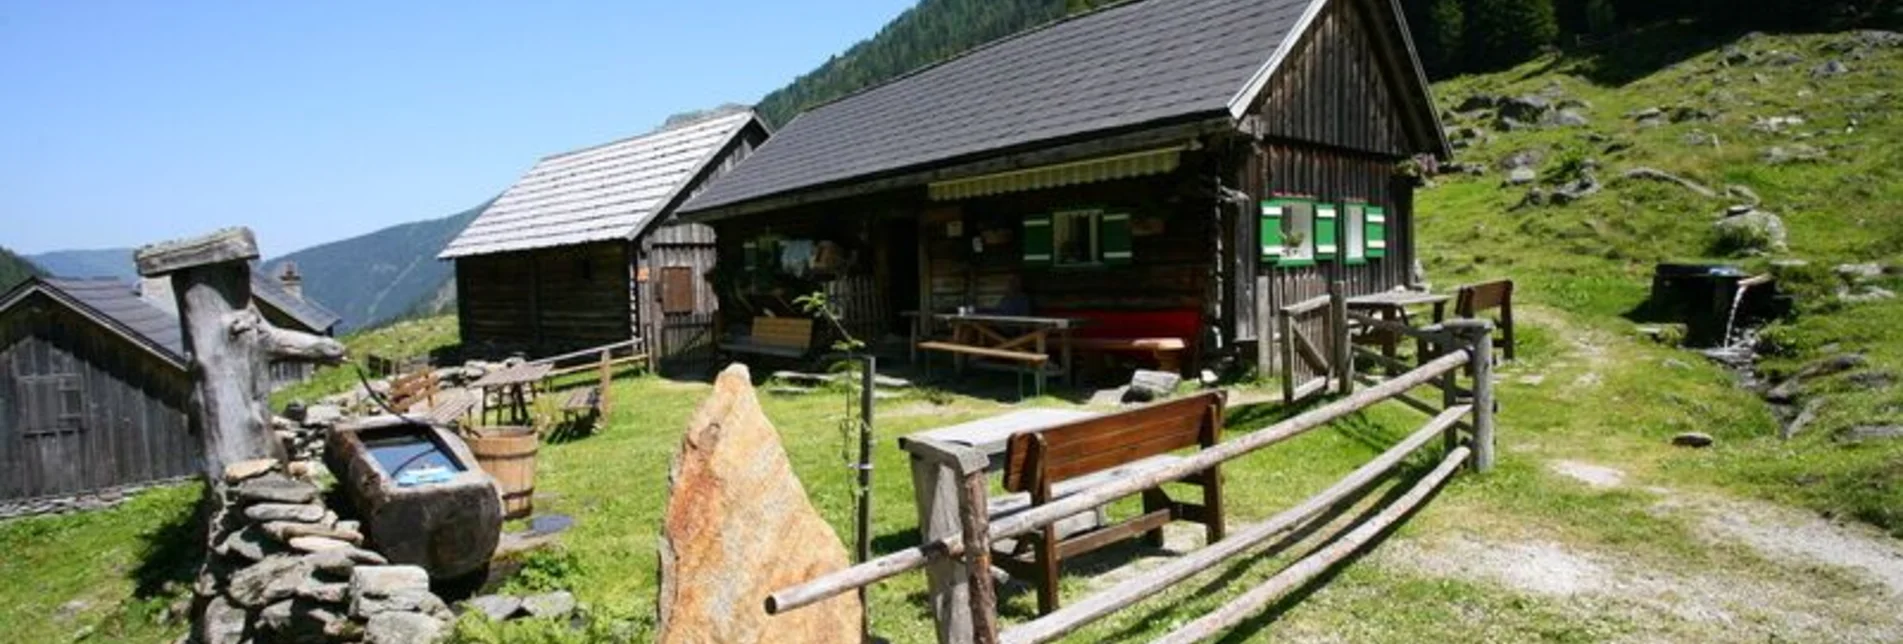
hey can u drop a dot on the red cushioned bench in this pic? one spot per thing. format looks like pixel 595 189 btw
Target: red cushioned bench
pixel 1162 335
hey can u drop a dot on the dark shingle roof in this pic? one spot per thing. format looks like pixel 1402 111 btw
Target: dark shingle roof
pixel 312 315
pixel 117 304
pixel 1132 64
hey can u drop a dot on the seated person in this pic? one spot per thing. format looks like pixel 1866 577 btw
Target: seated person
pixel 1014 302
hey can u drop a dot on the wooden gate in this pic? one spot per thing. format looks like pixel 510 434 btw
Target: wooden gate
pixel 677 310
pixel 1306 333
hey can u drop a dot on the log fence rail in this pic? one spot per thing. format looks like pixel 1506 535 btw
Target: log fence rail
pixel 1464 420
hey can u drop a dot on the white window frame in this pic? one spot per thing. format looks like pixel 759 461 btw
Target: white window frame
pixel 1060 233
pixel 1298 231
pixel 1354 238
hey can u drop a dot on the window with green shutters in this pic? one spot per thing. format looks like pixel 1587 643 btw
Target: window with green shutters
pixel 1037 240
pixel 1327 231
pixel 1377 231
pixel 1288 231
pixel 1077 238
pixel 751 256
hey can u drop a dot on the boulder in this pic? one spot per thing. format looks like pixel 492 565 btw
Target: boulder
pixel 1525 109
pixel 1693 439
pixel 1734 56
pixel 223 623
pixel 1783 58
pixel 738 526
pixel 1866 433
pixel 1585 186
pixel 555 605
pixel 1521 176
pixel 402 628
pixel 1859 272
pixel 1683 113
pixel 1528 158
pixel 1794 153
pixel 495 607
pixel 1146 385
pixel 1566 118
pixel 1829 69
pixel 1477 102
pixel 1752 230
pixel 1701 139
pixel 323 415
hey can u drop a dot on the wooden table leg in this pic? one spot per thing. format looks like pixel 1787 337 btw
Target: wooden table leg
pixel 1041 337
pixel 1390 339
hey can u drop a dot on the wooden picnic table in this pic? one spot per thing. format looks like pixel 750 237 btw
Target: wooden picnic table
pixel 514 387
pixel 1015 333
pixel 1392 306
pixel 935 487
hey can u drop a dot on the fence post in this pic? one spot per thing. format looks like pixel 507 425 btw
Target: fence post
pixel 1449 382
pixel 975 520
pixel 1338 323
pixel 1264 329
pixel 1479 339
pixel 964 601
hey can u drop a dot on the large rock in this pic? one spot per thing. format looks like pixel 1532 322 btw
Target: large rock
pixel 738 527
pixel 1751 229
pixel 1525 109
pixel 276 489
pixel 275 578
pixel 553 605
pixel 402 628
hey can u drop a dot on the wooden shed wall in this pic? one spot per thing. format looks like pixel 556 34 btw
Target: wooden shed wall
pixel 132 428
pixel 545 301
pixel 1334 90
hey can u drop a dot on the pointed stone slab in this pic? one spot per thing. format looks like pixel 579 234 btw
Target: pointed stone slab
pixel 738 527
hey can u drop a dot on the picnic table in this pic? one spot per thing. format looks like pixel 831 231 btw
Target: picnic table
pixel 1008 337
pixel 935 487
pixel 513 388
pixel 1392 306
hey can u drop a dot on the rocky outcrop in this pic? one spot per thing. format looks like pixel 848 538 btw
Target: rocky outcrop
pixel 739 526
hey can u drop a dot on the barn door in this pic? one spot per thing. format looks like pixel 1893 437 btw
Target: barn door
pixel 1306 344
pixel 52 419
pixel 681 333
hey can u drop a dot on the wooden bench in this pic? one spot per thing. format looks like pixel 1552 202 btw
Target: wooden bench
pixel 1031 361
pixel 591 402
pixel 1048 465
pixel 780 337
pixel 1475 299
pixel 409 390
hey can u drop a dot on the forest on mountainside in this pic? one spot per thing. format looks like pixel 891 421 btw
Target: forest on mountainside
pixel 14 269
pixel 1453 36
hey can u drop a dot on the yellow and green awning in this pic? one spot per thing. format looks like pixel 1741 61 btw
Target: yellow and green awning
pixel 1121 166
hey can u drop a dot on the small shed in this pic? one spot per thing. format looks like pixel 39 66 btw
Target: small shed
pixel 92 390
pixel 584 251
pixel 1189 165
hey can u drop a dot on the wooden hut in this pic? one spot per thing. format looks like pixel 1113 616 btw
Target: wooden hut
pixel 580 252
pixel 1148 167
pixel 92 390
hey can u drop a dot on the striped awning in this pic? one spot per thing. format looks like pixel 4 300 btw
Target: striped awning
pixel 1121 166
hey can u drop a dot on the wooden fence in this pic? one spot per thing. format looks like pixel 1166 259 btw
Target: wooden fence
pixel 1464 421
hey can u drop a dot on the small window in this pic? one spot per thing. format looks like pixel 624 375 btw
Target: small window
pixel 1077 237
pixel 677 289
pixel 1354 243
pixel 51 404
pixel 1298 233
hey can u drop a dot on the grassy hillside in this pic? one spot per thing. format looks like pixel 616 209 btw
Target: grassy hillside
pixel 1731 112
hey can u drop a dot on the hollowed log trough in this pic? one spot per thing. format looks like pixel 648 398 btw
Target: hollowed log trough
pixel 419 493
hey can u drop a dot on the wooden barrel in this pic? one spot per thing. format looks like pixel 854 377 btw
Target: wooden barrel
pixel 508 454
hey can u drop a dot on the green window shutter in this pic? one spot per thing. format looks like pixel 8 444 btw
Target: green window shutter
pixel 1272 213
pixel 1377 232
pixel 1115 232
pixel 1327 231
pixel 1037 240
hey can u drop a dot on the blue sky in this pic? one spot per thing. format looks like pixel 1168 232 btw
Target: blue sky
pixel 123 123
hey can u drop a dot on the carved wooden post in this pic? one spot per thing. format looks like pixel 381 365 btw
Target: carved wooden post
pixel 229 344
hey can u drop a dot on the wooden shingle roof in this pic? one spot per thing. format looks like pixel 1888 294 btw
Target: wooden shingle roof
pixel 601 193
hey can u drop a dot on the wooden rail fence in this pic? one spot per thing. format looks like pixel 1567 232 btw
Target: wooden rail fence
pixel 1464 420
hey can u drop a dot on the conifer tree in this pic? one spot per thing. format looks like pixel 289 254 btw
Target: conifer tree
pixel 1503 33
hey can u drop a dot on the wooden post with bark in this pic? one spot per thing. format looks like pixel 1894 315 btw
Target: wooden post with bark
pixel 229 347
pixel 229 343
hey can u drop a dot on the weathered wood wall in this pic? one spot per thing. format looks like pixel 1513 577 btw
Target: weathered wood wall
pixel 545 301
pixel 130 424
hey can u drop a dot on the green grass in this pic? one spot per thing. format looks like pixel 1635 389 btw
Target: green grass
pixel 109 575
pixel 401 341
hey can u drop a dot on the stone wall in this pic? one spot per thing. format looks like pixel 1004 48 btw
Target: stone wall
pixel 282 567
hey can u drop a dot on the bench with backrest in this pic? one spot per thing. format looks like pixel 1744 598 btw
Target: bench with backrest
pixel 1163 336
pixel 1475 299
pixel 780 337
pixel 1050 464
pixel 409 390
